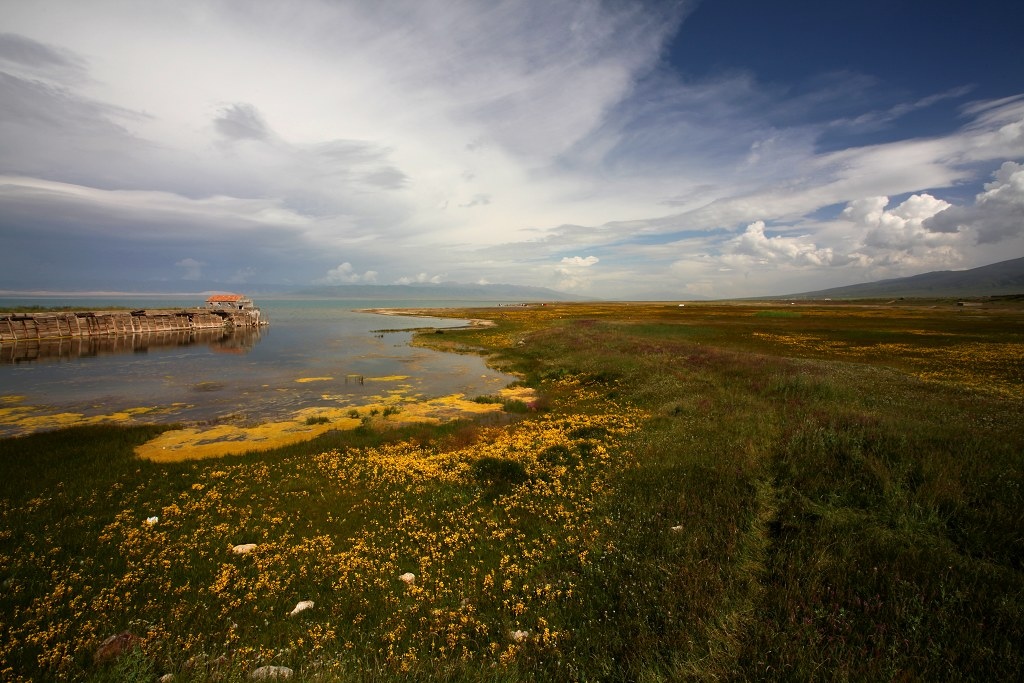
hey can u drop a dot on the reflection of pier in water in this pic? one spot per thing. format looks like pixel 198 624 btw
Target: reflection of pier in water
pixel 238 340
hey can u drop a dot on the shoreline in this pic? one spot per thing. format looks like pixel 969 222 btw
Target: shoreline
pixel 426 313
pixel 20 415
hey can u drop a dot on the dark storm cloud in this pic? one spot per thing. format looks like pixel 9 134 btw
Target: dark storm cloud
pixel 242 121
pixel 24 52
pixel 50 132
pixel 36 104
pixel 386 179
pixel 105 238
pixel 348 151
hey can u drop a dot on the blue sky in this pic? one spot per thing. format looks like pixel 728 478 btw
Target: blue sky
pixel 630 150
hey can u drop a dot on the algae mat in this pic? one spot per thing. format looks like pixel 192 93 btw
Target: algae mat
pixel 194 443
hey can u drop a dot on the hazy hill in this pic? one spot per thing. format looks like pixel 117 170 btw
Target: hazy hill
pixel 446 291
pixel 1005 277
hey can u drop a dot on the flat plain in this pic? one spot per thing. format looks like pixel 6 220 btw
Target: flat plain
pixel 715 491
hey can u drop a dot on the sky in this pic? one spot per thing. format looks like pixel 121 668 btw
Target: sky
pixel 613 149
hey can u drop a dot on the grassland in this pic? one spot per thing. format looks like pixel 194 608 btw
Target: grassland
pixel 709 492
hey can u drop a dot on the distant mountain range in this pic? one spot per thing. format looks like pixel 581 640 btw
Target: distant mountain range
pixel 997 279
pixel 445 291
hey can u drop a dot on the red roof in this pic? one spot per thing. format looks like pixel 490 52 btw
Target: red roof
pixel 216 298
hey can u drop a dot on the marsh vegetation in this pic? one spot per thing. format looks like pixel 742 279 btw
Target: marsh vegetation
pixel 711 492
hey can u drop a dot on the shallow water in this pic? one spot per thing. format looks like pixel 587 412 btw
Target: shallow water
pixel 314 353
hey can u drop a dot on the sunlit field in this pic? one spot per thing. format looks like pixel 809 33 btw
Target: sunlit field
pixel 700 492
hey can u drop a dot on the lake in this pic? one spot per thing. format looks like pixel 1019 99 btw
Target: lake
pixel 313 353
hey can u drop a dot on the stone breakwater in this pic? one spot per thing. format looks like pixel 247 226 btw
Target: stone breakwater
pixel 16 327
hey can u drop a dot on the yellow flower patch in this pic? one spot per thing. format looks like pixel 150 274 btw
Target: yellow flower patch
pixel 339 529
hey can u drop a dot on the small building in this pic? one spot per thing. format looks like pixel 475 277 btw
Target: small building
pixel 230 302
pixel 238 309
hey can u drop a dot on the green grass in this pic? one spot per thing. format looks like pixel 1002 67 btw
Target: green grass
pixel 709 493
pixel 508 405
pixel 777 314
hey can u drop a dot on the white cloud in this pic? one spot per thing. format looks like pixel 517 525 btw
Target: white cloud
pixel 580 261
pixel 876 119
pixel 997 214
pixel 368 114
pixel 572 273
pixel 753 246
pixel 484 139
pixel 898 241
pixel 421 278
pixel 996 130
pixel 346 274
pixel 901 228
pixel 569 280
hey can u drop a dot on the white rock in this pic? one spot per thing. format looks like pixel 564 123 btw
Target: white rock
pixel 520 636
pixel 301 607
pixel 408 578
pixel 271 673
pixel 152 520
pixel 166 678
pixel 677 529
pixel 243 549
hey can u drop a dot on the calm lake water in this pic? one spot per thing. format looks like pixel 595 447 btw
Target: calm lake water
pixel 312 354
